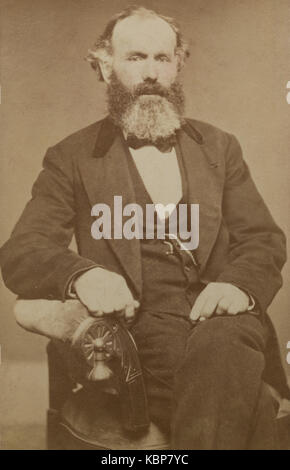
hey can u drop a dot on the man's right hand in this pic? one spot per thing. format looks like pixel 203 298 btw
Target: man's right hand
pixel 103 292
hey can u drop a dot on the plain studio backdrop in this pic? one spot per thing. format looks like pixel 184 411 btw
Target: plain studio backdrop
pixel 235 79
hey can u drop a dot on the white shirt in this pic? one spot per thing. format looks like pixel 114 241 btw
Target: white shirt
pixel 160 174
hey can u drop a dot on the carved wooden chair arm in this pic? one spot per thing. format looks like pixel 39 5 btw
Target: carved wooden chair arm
pixel 99 349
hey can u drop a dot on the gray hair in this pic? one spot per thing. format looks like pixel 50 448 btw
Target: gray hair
pixel 104 42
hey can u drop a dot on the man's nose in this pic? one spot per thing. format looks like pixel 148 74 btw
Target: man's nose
pixel 150 71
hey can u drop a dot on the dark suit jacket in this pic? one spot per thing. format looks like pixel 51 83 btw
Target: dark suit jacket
pixel 239 241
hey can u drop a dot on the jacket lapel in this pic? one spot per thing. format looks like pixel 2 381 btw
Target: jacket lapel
pixel 204 188
pixel 105 174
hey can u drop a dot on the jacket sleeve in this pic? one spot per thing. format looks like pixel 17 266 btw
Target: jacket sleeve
pixel 36 261
pixel 257 245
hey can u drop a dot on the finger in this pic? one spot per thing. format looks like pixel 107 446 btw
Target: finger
pixel 222 306
pixel 129 312
pixel 117 300
pixel 108 307
pixel 130 300
pixel 92 306
pixel 235 308
pixel 120 304
pixel 198 306
pixel 219 310
pixel 136 304
pixel 209 307
pixel 97 313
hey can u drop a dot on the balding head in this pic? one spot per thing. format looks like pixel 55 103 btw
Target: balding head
pixel 143 31
pixel 131 27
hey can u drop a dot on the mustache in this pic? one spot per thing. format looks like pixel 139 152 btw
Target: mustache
pixel 151 89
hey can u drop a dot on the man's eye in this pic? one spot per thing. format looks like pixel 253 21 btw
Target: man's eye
pixel 163 58
pixel 134 58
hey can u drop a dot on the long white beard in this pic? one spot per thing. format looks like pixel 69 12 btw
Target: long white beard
pixel 151 117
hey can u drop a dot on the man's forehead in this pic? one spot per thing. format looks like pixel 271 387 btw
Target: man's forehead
pixel 143 33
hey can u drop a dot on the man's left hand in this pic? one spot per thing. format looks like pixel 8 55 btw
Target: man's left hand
pixel 219 298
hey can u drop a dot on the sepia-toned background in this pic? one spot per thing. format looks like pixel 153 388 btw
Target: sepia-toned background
pixel 235 79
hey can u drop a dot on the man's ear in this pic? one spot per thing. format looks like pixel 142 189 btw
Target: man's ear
pixel 105 63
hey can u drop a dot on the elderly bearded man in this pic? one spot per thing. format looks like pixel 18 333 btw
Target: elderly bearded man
pixel 198 317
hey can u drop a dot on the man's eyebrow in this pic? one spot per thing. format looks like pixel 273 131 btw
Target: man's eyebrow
pixel 136 53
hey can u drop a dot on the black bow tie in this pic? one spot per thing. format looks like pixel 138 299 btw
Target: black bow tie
pixel 164 145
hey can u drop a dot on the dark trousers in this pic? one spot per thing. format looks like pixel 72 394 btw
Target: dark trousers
pixel 204 381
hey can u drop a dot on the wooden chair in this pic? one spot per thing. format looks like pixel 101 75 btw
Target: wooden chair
pixel 97 397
